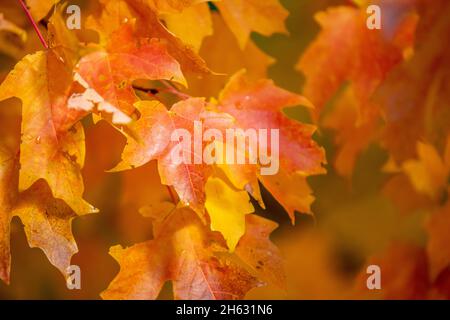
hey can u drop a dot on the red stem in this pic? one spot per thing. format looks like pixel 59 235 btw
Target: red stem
pixel 36 28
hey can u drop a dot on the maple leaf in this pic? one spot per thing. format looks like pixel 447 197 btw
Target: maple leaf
pixel 40 8
pixel 430 173
pixel 48 225
pixel 414 97
pixel 257 251
pixel 154 130
pixel 227 209
pixel 191 25
pixel 259 105
pixel 251 58
pixel 346 52
pixel 47 220
pixel 241 176
pixel 280 186
pixel 148 25
pixel 243 17
pixel 108 75
pixel 182 252
pixel 51 148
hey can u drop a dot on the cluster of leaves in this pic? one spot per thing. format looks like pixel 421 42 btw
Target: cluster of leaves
pixel 391 87
pixel 206 239
pixel 152 66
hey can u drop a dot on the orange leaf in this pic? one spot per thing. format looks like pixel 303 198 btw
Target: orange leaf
pixel 181 252
pixel 111 73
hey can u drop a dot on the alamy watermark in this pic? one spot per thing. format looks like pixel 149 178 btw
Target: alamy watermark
pixel 234 146
pixel 73 279
pixel 374 279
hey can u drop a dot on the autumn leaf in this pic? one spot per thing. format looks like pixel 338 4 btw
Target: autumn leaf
pixel 191 25
pixel 40 8
pixel 50 149
pixel 48 225
pixel 109 75
pixel 414 96
pixel 154 130
pixel 227 209
pixel 47 220
pixel 347 56
pixel 147 80
pixel 181 252
pixel 114 14
pixel 244 17
pixel 241 176
pixel 257 251
pixel 260 105
pixel 252 58
pixel 279 186
pixel 429 174
pixel 350 134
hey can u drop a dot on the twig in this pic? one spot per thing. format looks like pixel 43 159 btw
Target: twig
pixel 36 28
pixel 172 89
pixel 150 92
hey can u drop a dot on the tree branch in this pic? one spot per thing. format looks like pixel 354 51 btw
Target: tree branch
pixel 35 26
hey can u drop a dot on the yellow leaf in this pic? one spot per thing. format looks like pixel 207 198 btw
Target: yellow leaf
pixel 40 8
pixel 191 25
pixel 52 147
pixel 227 209
pixel 429 173
pixel 245 16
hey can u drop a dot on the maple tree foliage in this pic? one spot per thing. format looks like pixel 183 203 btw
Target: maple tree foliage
pixel 71 80
pixel 101 103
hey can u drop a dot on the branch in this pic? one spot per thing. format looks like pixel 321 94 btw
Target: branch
pixel 35 26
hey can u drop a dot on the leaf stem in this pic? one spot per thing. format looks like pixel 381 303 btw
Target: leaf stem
pixel 172 89
pixel 35 26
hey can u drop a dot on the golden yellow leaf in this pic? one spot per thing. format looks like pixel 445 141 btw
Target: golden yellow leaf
pixel 245 16
pixel 429 173
pixel 191 25
pixel 227 209
pixel 40 8
pixel 52 148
